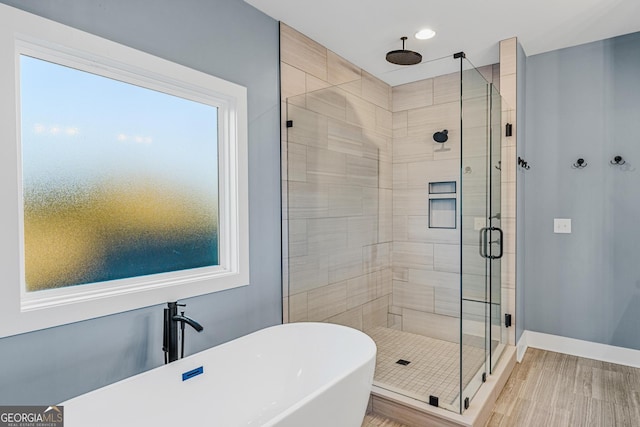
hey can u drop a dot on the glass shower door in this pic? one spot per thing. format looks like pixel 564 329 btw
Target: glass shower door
pixel 481 237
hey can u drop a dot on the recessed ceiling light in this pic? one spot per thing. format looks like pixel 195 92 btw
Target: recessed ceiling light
pixel 425 34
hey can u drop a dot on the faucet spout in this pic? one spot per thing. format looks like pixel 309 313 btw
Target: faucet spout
pixel 184 319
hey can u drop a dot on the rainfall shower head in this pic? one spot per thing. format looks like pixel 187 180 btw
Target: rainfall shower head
pixel 404 57
pixel 441 136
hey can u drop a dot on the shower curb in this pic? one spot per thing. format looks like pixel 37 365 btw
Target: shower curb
pixel 415 413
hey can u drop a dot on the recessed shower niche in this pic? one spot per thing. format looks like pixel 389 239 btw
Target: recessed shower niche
pixel 442 204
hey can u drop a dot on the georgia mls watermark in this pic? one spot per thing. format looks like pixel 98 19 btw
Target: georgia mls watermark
pixel 31 416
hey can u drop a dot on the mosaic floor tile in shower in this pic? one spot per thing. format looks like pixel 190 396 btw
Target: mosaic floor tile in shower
pixel 433 368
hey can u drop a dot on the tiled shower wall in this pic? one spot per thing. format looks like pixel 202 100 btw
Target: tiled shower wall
pixel 426 261
pixel 351 261
pixel 337 221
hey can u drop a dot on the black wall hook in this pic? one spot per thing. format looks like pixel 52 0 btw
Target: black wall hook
pixel 579 164
pixel 523 164
pixel 618 160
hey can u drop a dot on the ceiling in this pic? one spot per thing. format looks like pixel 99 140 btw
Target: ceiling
pixel 362 31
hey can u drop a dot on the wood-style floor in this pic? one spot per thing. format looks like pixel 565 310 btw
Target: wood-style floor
pixel 557 390
pixel 552 389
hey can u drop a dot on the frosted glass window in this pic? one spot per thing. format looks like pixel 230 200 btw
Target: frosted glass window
pixel 118 180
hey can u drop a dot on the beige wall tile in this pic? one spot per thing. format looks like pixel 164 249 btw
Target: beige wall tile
pixel 309 128
pixel 374 313
pixel 413 255
pixel 340 70
pixel 362 171
pixel 400 176
pixel 508 226
pixel 400 120
pixel 420 174
pixel 446 88
pixel 308 272
pixel 345 137
pixel 384 282
pixel 308 200
pixel 411 201
pixel 431 325
pixel 298 307
pixel 446 258
pixel 360 112
pixel 508 56
pixel 303 53
pixel 412 95
pixel 354 87
pixel 384 121
pixel 413 296
pixel 325 166
pixel 394 321
pixel 330 102
pixel 447 302
pixel 508 196
pixel 297 241
pixel 327 301
pixel 487 72
pixel 412 149
pixel 293 81
pixel 473 286
pixel 496 76
pixel 376 257
pixel 434 118
pixel 434 278
pixel 344 200
pixel 297 162
pixel 418 231
pixel 385 216
pixel 361 290
pixel 508 90
pixel 362 231
pixel 375 91
pixel 351 318
pixel 473 263
pixel 400 227
pixel 400 273
pixel 325 235
pixel 315 84
pixel 345 264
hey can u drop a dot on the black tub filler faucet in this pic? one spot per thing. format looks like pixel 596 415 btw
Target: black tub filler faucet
pixel 170 336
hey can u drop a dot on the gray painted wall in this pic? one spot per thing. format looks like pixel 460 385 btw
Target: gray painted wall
pixel 584 102
pixel 225 38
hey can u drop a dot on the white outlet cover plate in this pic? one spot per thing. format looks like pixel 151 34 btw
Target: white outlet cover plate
pixel 562 225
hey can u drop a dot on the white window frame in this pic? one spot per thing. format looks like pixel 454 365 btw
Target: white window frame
pixel 22 33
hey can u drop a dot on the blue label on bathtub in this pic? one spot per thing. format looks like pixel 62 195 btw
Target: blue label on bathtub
pixel 192 373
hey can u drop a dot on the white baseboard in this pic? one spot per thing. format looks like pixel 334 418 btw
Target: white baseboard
pixel 580 348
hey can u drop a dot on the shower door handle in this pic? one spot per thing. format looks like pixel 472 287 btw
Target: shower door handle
pixel 483 242
pixel 500 241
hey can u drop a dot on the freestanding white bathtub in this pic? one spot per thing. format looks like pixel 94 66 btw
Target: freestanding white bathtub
pixel 292 375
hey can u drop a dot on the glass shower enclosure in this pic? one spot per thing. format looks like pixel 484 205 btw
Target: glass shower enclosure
pixel 395 234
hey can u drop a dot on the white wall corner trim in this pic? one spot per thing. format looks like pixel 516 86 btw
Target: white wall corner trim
pixel 580 348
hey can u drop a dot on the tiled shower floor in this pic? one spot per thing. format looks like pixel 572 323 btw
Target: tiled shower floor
pixel 433 369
